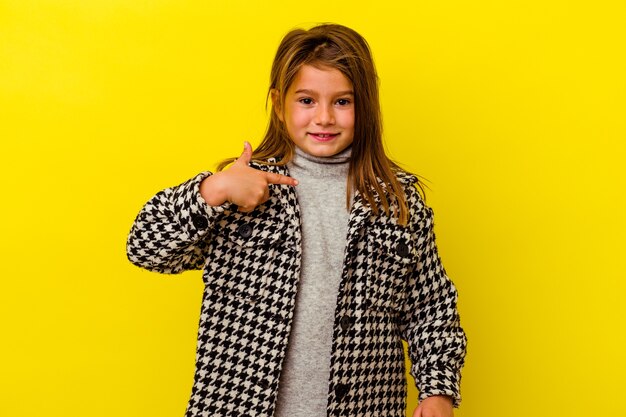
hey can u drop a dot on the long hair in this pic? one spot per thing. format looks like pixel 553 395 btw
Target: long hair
pixel 370 172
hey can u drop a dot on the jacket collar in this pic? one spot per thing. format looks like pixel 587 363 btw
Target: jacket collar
pixel 360 210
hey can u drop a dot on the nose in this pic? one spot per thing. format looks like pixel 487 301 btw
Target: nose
pixel 324 115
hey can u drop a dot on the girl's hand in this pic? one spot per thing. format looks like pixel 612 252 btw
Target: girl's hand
pixel 435 406
pixel 241 185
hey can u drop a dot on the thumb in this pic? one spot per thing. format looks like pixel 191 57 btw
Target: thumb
pixel 246 155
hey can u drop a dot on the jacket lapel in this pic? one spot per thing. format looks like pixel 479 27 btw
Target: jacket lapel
pixel 359 212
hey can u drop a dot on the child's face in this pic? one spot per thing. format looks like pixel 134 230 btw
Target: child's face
pixel 319 111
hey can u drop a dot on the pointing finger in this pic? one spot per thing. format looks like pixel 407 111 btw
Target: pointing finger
pixel 274 178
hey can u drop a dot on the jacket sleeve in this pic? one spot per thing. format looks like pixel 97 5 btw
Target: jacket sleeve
pixel 169 233
pixel 430 320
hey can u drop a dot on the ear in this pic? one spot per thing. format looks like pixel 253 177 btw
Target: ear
pixel 275 94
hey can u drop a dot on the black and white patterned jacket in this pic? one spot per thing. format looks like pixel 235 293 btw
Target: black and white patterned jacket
pixel 393 287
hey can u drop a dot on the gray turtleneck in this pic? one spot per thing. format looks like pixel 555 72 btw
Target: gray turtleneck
pixel 303 388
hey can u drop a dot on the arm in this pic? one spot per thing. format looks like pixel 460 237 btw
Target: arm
pixel 168 235
pixel 430 320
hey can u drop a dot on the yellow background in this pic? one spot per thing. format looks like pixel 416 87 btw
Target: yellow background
pixel 514 111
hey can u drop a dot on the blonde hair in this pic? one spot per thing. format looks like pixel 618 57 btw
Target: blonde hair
pixel 339 47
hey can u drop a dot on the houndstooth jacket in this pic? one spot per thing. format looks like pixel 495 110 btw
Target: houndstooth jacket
pixel 393 287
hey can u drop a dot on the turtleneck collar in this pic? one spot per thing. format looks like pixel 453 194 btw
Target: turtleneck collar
pixel 321 166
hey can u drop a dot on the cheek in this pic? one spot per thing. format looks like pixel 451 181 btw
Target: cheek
pixel 347 119
pixel 297 118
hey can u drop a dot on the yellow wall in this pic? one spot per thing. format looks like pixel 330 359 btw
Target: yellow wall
pixel 513 110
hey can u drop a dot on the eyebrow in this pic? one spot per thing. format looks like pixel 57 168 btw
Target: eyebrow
pixel 311 92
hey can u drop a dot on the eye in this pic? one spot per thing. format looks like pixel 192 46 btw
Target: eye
pixel 306 100
pixel 343 101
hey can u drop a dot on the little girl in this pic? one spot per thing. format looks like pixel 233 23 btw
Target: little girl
pixel 318 256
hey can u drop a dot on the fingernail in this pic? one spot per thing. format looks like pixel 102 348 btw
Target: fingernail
pixel 295 182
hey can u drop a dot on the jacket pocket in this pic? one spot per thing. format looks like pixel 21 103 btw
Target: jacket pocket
pixel 390 262
pixel 242 253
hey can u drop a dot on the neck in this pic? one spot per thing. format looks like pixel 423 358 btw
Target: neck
pixel 321 166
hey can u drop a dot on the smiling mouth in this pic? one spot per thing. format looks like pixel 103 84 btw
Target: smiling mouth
pixel 324 137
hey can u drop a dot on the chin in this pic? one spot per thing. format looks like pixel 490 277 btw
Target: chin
pixel 323 152
pixel 325 149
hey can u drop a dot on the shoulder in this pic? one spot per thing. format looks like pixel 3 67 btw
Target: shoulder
pixel 410 184
pixel 420 214
pixel 269 165
pixel 405 177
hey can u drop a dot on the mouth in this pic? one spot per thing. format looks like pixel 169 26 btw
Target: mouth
pixel 323 136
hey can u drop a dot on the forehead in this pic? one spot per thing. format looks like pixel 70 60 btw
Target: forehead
pixel 322 80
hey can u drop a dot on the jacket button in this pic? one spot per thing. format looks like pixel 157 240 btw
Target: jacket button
pixel 402 250
pixel 345 322
pixel 200 221
pixel 264 384
pixel 341 390
pixel 245 230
